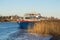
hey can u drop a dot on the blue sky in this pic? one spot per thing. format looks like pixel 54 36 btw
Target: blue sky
pixel 20 7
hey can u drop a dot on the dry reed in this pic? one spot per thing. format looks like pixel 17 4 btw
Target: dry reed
pixel 46 27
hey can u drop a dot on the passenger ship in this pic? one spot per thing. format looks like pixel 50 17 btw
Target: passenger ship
pixel 28 20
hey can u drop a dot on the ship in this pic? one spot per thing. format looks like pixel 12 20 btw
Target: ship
pixel 28 20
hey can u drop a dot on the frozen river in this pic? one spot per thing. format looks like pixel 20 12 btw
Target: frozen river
pixel 11 31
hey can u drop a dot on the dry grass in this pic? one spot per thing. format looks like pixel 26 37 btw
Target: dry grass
pixel 46 27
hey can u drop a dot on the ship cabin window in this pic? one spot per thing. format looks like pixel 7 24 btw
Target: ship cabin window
pixel 27 17
pixel 33 17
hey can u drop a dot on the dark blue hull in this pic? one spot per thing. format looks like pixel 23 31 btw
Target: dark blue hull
pixel 25 25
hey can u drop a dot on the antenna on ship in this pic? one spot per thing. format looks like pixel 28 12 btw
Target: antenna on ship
pixel 33 11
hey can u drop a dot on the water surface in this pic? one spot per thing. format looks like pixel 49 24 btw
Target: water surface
pixel 11 31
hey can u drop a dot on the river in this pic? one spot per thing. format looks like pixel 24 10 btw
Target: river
pixel 11 31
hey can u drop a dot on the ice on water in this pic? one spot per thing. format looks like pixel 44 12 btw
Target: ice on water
pixel 23 35
pixel 10 31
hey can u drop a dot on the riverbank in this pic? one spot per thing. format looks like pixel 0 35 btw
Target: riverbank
pixel 46 27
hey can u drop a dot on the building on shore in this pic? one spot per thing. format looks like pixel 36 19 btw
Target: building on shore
pixel 9 18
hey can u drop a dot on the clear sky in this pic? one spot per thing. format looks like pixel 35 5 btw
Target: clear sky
pixel 20 7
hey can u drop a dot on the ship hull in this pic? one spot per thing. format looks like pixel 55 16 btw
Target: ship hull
pixel 25 24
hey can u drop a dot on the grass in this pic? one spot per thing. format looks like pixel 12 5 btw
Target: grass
pixel 45 27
